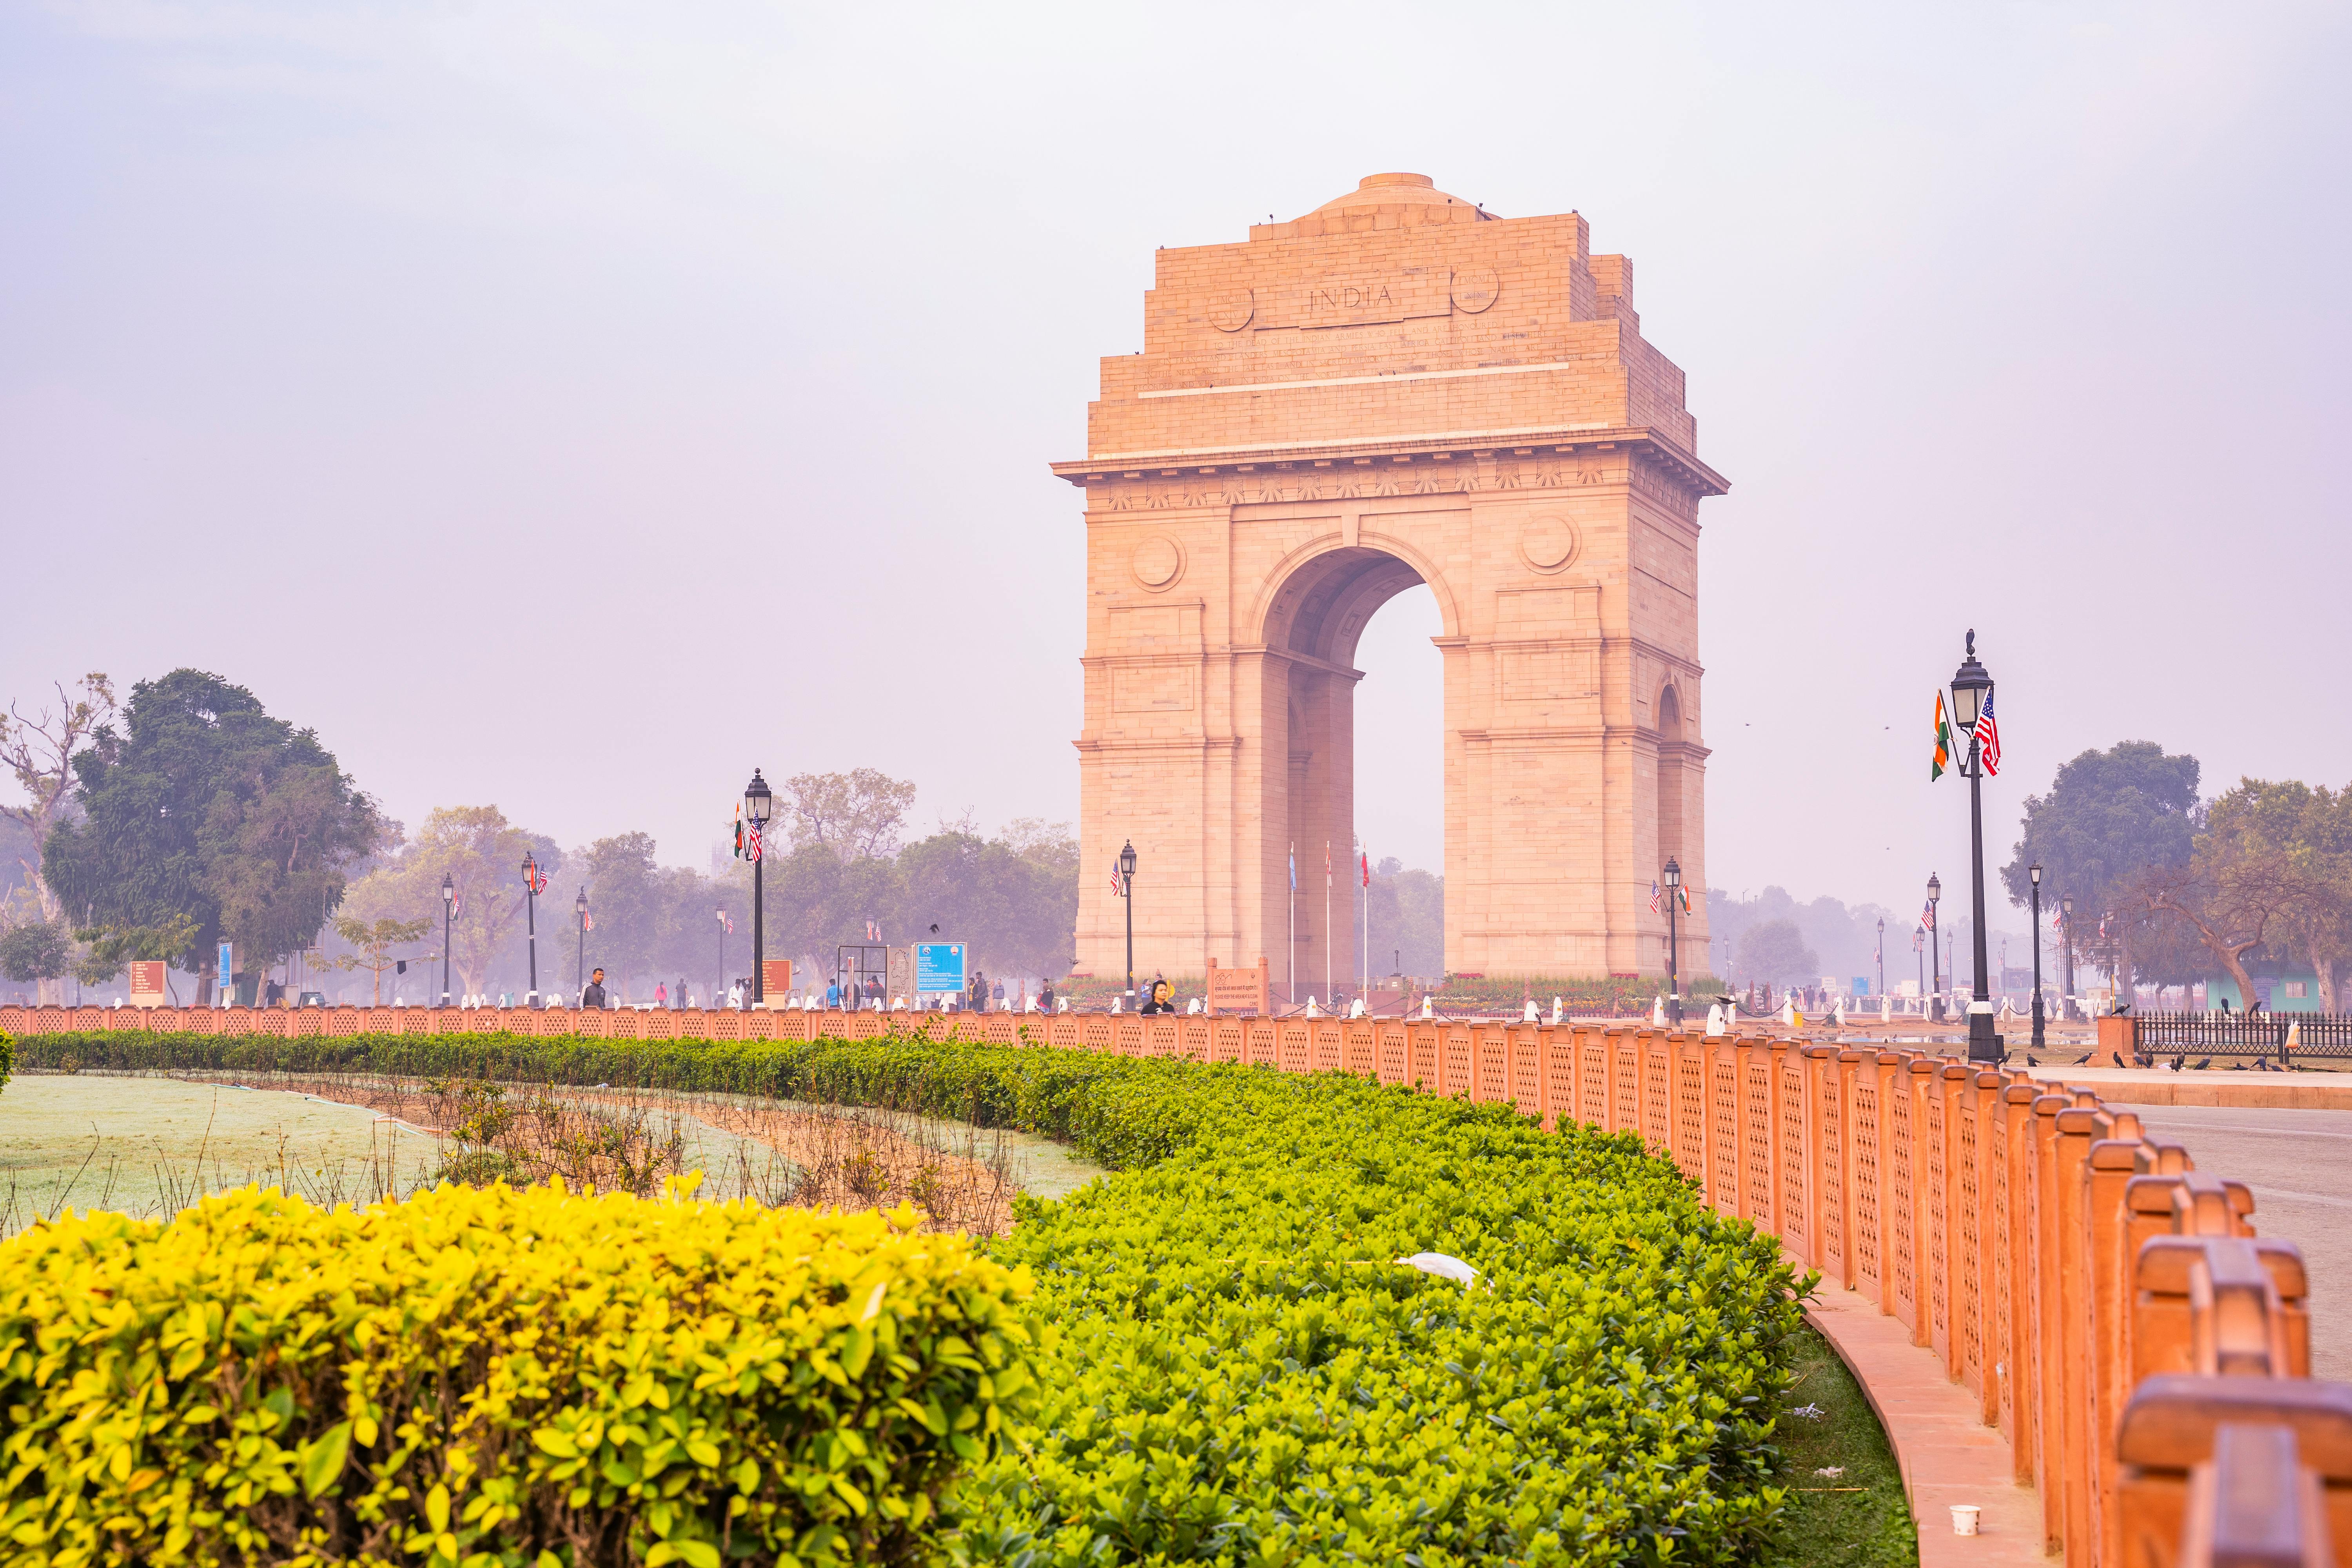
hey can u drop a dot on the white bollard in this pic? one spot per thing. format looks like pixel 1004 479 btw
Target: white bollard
pixel 1558 1010
pixel 1312 1010
pixel 1529 1017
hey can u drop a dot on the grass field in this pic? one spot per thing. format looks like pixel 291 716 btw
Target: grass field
pixel 148 1146
pixel 1856 1517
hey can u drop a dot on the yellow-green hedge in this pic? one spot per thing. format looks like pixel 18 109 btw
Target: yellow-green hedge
pixel 483 1376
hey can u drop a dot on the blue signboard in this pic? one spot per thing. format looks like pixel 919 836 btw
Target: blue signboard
pixel 938 967
pixel 1861 985
pixel 227 969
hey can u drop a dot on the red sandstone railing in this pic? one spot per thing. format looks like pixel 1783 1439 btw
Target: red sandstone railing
pixel 2108 1308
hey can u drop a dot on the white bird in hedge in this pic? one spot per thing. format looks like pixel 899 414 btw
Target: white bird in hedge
pixel 1444 1266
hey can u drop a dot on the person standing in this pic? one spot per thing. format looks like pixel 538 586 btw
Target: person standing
pixel 592 994
pixel 661 994
pixel 833 995
pixel 996 995
pixel 1045 997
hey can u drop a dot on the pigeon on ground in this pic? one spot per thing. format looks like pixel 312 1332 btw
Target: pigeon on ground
pixel 2201 1063
pixel 2116 1057
pixel 2029 1061
pixel 2086 1058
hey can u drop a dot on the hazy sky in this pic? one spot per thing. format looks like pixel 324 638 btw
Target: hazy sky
pixel 569 406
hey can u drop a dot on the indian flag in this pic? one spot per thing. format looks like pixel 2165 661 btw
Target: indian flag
pixel 1943 741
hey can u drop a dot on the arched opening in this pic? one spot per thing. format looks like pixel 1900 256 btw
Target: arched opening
pixel 1401 785
pixel 1316 628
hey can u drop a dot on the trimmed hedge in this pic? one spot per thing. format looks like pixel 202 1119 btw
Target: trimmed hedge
pixel 1239 1371
pixel 486 1376
pixel 8 1057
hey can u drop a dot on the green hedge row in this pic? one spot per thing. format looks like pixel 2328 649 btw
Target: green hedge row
pixel 1241 1372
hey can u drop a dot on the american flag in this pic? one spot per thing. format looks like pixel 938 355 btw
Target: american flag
pixel 1928 915
pixel 1988 738
pixel 752 842
pixel 1117 882
pixel 537 880
pixel 1654 895
pixel 587 921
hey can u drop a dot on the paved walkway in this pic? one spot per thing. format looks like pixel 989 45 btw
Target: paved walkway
pixel 1947 1454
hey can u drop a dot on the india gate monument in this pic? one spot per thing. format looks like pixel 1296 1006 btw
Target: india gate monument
pixel 1397 388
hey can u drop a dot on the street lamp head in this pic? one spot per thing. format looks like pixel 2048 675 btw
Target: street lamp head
pixel 529 869
pixel 579 904
pixel 2035 871
pixel 1674 873
pixel 2066 906
pixel 448 891
pixel 1126 859
pixel 758 799
pixel 1935 887
pixel 1969 684
pixel 1919 937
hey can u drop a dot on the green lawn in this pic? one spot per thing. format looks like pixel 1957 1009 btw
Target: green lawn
pixel 1859 1518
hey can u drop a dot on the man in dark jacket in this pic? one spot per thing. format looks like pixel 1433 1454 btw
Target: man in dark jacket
pixel 593 996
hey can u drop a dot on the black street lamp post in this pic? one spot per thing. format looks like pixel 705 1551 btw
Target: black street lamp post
pixel 580 950
pixel 449 914
pixel 719 992
pixel 2034 872
pixel 1127 890
pixel 1972 694
pixel 1881 957
pixel 1673 949
pixel 1919 955
pixel 1935 953
pixel 531 886
pixel 2066 924
pixel 757 801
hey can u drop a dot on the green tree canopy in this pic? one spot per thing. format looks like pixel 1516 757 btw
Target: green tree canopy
pixel 2113 823
pixel 203 805
pixel 481 852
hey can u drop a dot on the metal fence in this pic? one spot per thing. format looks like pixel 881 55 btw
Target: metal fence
pixel 2282 1035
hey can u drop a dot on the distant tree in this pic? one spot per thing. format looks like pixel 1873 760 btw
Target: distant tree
pixel 38 753
pixel 481 854
pixel 205 807
pixel 36 952
pixel 2110 818
pixel 1018 915
pixel 626 892
pixel 371 945
pixel 1408 920
pixel 856 815
pixel 2271 870
pixel 1775 952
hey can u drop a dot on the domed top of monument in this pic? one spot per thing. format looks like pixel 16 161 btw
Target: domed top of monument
pixel 1379 201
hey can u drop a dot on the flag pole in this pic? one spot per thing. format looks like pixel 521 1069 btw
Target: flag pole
pixel 1290 964
pixel 1327 943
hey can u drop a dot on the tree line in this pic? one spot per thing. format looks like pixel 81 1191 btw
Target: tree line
pixel 2170 890
pixel 188 816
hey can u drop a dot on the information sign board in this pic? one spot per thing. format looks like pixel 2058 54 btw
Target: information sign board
pixel 938 967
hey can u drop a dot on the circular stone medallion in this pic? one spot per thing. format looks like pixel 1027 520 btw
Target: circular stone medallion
pixel 1548 544
pixel 1158 562
pixel 1231 313
pixel 1475 289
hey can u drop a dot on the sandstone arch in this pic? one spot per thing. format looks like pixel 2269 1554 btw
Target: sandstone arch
pixel 1258 482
